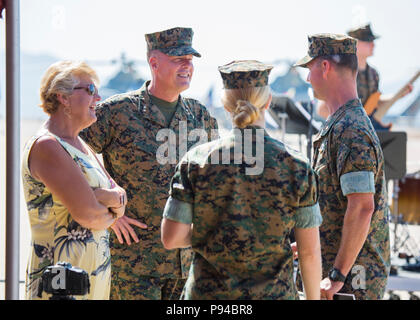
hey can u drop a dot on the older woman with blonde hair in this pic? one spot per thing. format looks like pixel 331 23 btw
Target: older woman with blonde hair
pixel 71 199
pixel 237 214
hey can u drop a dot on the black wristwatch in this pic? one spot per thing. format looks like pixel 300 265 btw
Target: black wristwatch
pixel 336 275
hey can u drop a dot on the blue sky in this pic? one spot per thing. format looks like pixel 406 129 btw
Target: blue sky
pixel 99 30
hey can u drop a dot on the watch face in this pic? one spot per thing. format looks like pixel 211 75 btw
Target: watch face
pixel 334 275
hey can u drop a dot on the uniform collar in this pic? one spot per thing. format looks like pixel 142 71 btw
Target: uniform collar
pixel 151 112
pixel 252 127
pixel 338 114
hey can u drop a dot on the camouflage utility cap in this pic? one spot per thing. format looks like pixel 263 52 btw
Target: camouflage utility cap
pixel 325 44
pixel 173 42
pixel 245 74
pixel 363 33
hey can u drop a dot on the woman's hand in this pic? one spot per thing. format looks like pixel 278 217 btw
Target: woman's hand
pixel 107 197
pixel 111 198
pixel 119 212
pixel 123 195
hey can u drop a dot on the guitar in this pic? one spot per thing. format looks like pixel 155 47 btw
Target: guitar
pixel 371 105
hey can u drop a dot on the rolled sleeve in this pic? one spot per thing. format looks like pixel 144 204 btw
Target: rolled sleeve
pixel 356 153
pixel 357 182
pixel 308 213
pixel 178 211
pixel 308 217
pixel 179 206
pixel 181 188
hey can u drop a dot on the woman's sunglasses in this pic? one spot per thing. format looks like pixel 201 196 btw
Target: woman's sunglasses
pixel 90 89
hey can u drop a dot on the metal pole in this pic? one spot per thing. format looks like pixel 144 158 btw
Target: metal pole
pixel 12 148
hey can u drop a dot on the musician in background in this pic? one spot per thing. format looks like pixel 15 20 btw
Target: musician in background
pixel 368 80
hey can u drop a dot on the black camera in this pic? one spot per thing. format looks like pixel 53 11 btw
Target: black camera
pixel 63 281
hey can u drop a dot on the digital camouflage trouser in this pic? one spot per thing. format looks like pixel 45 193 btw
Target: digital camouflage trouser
pixel 146 288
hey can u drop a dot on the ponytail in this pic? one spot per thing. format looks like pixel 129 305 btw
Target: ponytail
pixel 245 114
pixel 245 104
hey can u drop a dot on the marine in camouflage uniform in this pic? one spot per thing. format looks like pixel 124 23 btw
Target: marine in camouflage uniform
pixel 367 83
pixel 241 222
pixel 126 135
pixel 348 159
pixel 367 79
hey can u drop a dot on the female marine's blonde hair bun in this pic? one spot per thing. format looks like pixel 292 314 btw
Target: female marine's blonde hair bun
pixel 245 104
pixel 245 114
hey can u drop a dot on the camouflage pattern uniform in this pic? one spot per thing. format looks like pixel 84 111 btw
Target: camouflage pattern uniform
pixel 125 133
pixel 348 159
pixel 241 222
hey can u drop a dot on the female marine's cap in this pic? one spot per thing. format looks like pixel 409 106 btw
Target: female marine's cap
pixel 245 74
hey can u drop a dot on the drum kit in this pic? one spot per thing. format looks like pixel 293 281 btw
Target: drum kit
pixel 409 198
pixel 407 205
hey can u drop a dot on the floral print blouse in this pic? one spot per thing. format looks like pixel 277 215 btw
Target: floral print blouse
pixel 56 236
